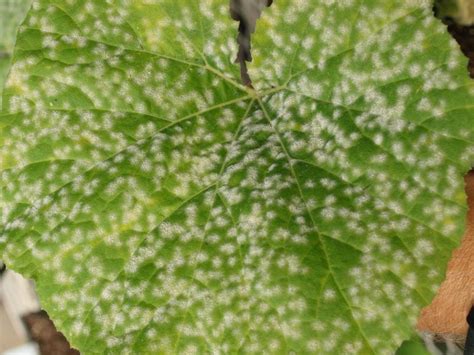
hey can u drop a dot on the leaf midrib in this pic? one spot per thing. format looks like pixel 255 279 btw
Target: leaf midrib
pixel 315 228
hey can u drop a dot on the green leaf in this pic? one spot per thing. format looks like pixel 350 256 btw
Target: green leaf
pixel 412 347
pixel 11 14
pixel 161 207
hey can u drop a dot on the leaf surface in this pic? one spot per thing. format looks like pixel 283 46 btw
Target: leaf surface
pixel 161 207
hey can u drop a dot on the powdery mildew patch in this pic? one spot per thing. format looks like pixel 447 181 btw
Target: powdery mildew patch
pixel 164 208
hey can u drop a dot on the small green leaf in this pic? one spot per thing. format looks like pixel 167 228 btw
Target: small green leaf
pixel 162 207
pixel 412 347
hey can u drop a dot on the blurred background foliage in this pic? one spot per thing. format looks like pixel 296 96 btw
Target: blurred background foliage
pixel 461 11
pixel 12 13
